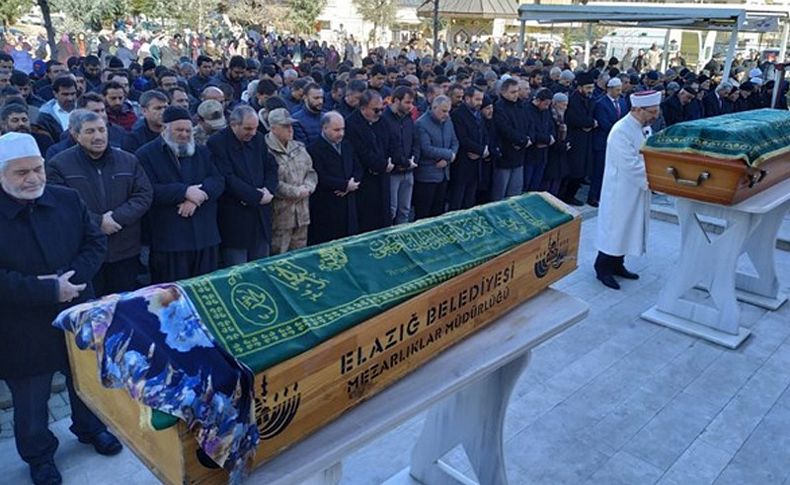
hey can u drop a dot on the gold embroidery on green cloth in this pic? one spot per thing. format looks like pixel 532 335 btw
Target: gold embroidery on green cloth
pixel 269 310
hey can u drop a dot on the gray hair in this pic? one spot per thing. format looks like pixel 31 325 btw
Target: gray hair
pixel 327 118
pixel 290 73
pixel 559 98
pixel 79 117
pixel 241 112
pixel 439 101
pixel 725 86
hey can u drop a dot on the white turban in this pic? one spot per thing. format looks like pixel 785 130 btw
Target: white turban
pixel 14 146
pixel 614 83
pixel 645 99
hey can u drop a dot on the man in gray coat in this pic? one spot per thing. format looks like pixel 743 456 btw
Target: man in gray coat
pixel 438 148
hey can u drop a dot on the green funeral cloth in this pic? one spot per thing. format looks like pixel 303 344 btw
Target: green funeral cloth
pixel 267 311
pixel 753 136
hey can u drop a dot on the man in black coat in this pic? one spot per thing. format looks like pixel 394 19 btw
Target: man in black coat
pixel 541 127
pixel 183 217
pixel 717 102
pixel 333 205
pixel 50 251
pixel 674 108
pixel 373 145
pixel 245 216
pixel 512 127
pixel 473 148
pixel 580 121
pixel 114 186
pixel 148 128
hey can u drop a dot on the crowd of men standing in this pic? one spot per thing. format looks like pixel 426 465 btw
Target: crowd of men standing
pixel 238 162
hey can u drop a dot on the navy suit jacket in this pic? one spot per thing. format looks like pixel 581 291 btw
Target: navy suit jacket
pixel 606 115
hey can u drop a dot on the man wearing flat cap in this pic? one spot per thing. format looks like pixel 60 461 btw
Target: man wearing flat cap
pixel 625 197
pixel 183 217
pixel 50 250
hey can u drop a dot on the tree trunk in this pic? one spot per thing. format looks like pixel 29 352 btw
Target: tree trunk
pixel 45 13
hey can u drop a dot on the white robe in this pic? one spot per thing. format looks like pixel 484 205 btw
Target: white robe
pixel 624 209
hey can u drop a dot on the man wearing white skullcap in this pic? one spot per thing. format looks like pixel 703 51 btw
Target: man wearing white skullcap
pixel 625 197
pixel 609 108
pixel 49 252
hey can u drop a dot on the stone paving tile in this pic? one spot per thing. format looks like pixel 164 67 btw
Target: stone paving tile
pixel 672 430
pixel 764 458
pixel 723 378
pixel 700 464
pixel 625 469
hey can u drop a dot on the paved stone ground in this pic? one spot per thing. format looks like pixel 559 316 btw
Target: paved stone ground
pixel 614 399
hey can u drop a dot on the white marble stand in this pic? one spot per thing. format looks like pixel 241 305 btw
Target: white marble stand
pixel 709 262
pixel 465 390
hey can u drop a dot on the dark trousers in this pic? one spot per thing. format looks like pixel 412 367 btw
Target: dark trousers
pixel 35 443
pixel 429 199
pixel 552 186
pixel 168 267
pixel 572 186
pixel 235 256
pixel 599 160
pixel 462 194
pixel 606 264
pixel 117 277
pixel 533 175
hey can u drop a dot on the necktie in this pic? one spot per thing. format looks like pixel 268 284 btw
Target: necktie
pixel 617 108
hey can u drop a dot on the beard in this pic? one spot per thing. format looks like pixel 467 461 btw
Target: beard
pixel 22 129
pixel 20 193
pixel 180 149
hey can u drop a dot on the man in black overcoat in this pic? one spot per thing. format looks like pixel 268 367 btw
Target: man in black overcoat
pixel 183 217
pixel 580 121
pixel 333 205
pixel 245 217
pixel 473 148
pixel 373 144
pixel 50 250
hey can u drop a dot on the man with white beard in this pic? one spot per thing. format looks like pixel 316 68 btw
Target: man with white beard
pixel 183 218
pixel 50 250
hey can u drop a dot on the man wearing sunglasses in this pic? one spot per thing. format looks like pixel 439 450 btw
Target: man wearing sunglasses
pixel 374 145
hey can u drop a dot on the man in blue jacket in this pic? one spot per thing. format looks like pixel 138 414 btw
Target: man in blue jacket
pixel 438 149
pixel 183 217
pixel 307 128
pixel 50 251
pixel 608 110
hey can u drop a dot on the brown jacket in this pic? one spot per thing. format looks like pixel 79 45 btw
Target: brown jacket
pixel 295 172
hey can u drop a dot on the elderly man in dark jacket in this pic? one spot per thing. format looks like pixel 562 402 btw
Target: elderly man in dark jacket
pixel 512 127
pixel 245 217
pixel 50 250
pixel 541 128
pixel 438 149
pixel 581 122
pixel 307 128
pixel 472 150
pixel 183 217
pixel 333 205
pixel 373 145
pixel 114 186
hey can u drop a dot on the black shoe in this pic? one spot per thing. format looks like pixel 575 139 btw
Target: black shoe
pixel 104 443
pixel 624 273
pixel 592 202
pixel 574 201
pixel 609 281
pixel 45 474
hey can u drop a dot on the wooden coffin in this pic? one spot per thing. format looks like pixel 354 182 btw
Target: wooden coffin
pixel 723 159
pixel 298 396
pixel 708 179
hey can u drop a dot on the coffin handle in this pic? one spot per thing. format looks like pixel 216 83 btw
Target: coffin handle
pixel 703 176
pixel 756 178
